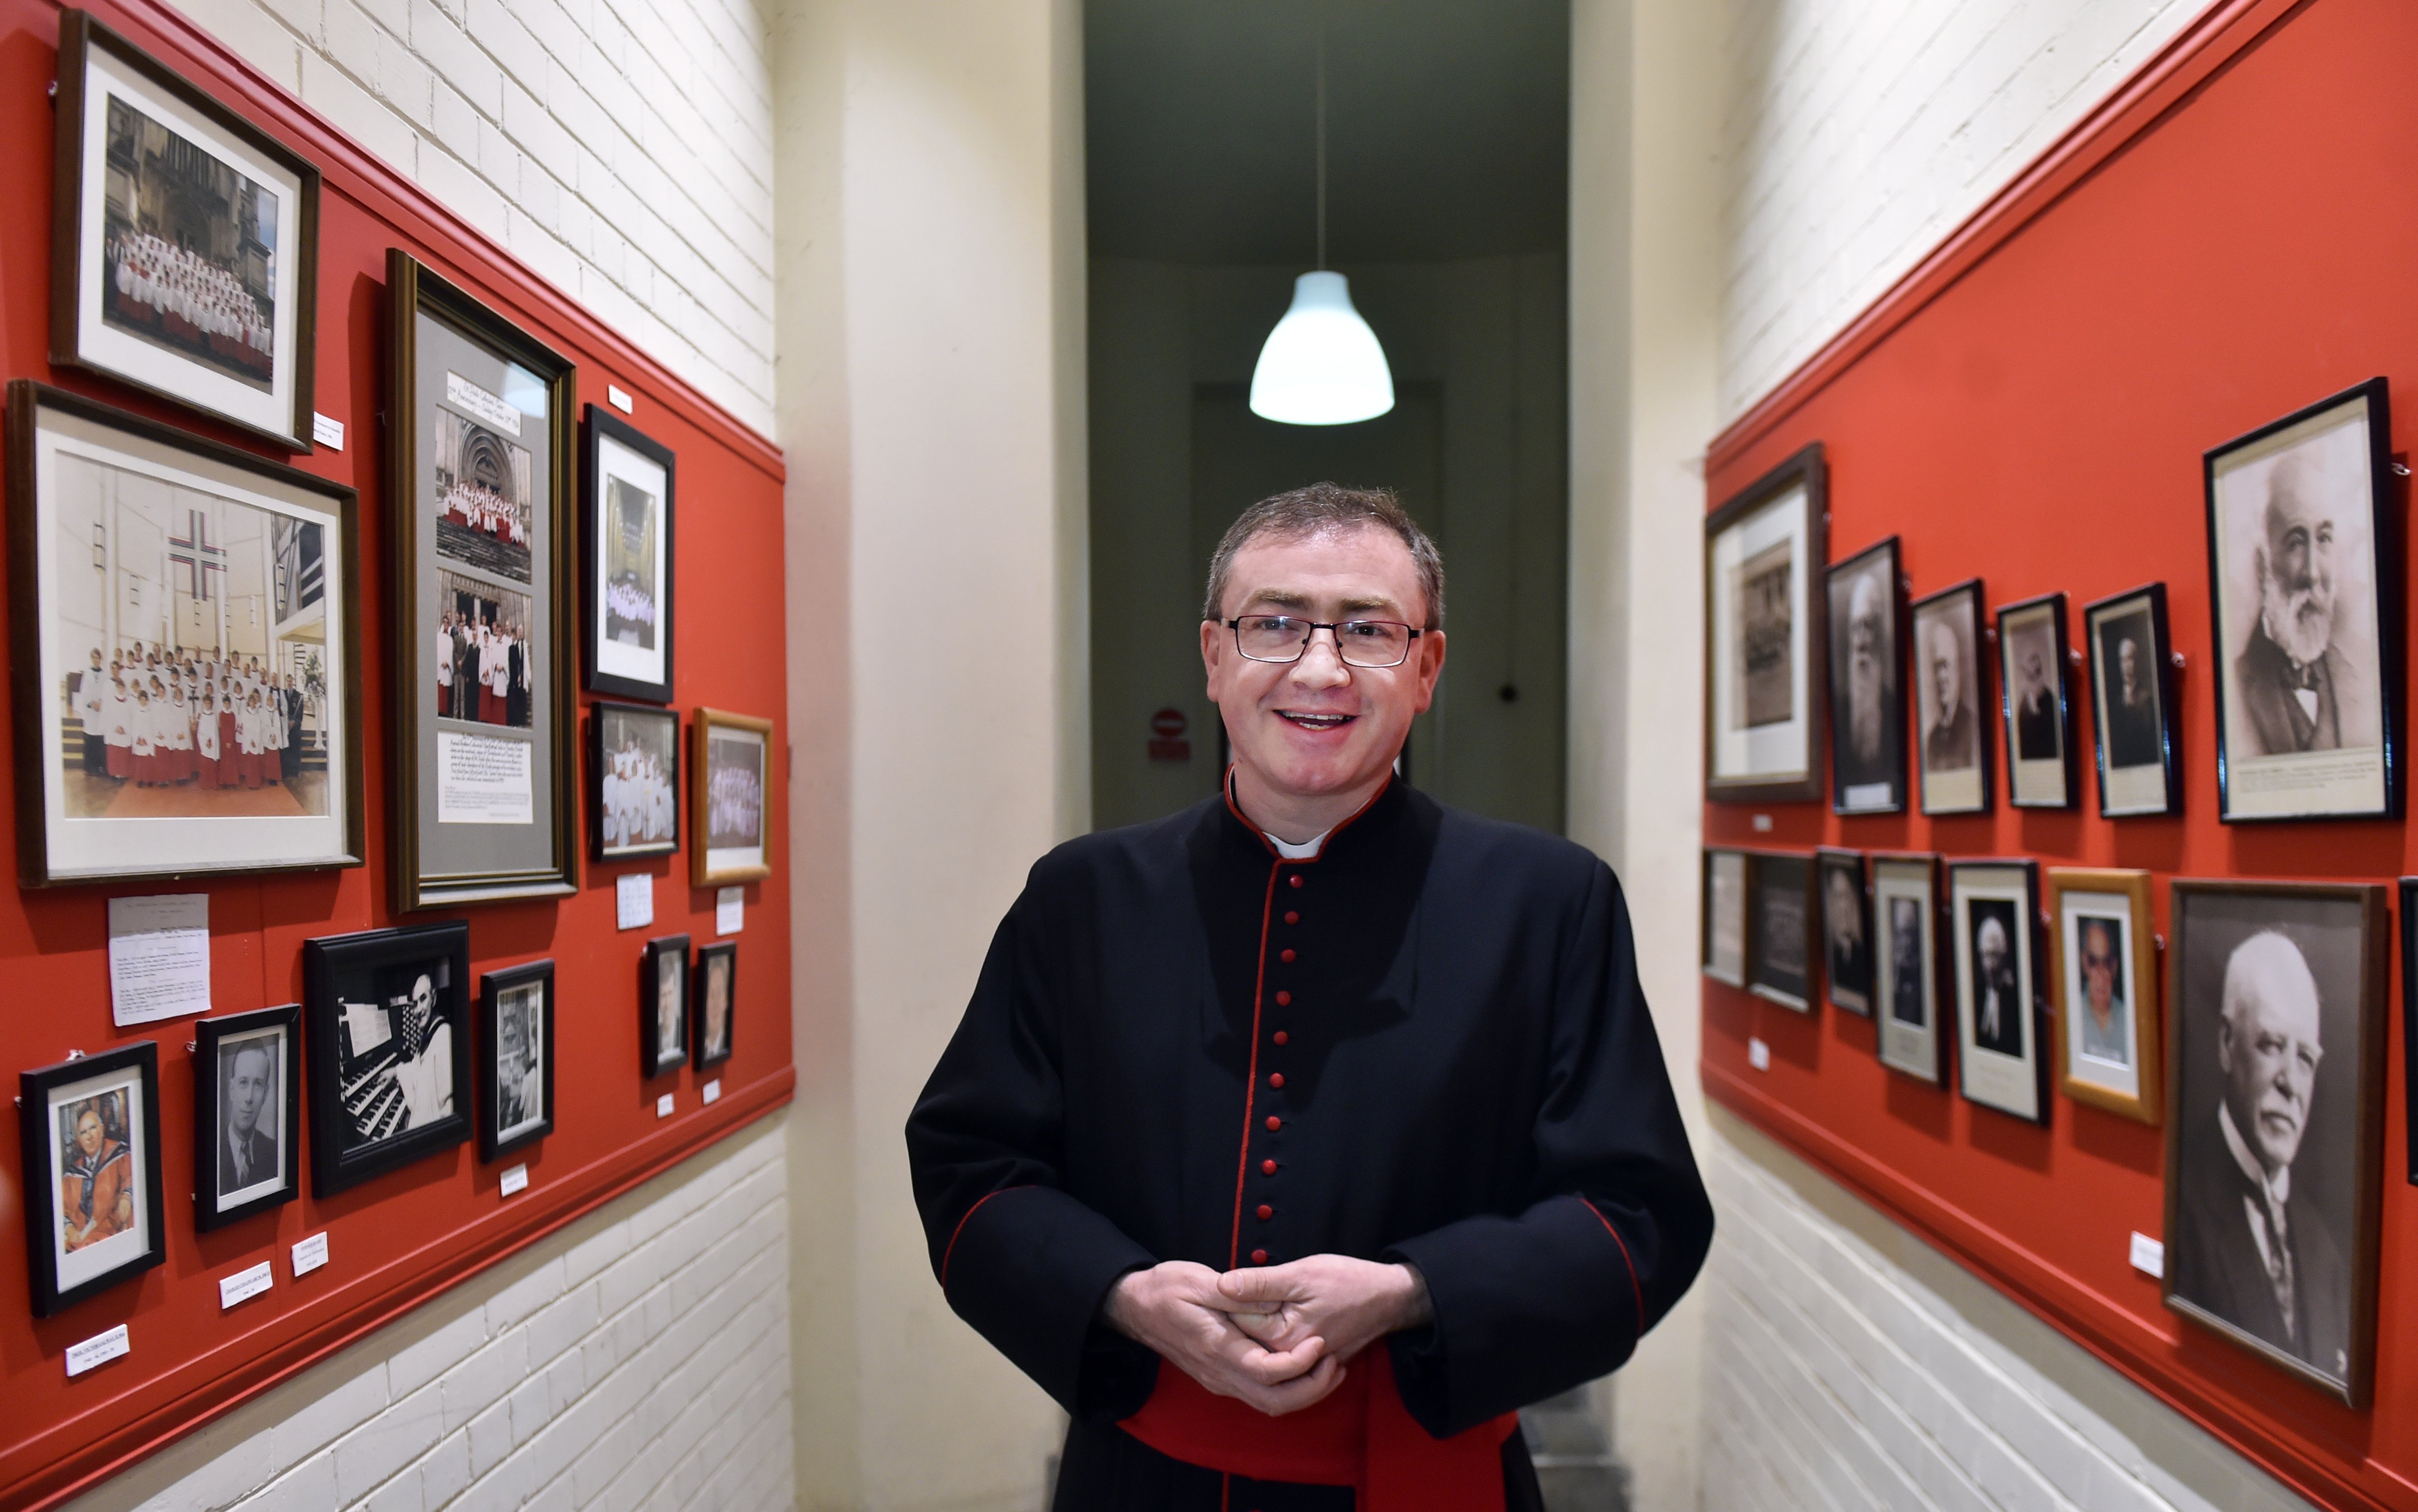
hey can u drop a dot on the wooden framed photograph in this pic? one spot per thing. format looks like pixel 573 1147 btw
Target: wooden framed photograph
pixel 1866 603
pixel 89 1129
pixel 184 241
pixel 516 1073
pixel 1950 692
pixel 2002 1044
pixel 1780 915
pixel 625 540
pixel 730 778
pixel 479 448
pixel 717 1000
pixel 2275 1149
pixel 387 1015
pixel 1906 913
pixel 2104 967
pixel 186 667
pixel 2036 708
pixel 2304 584
pixel 1846 928
pixel 2133 697
pixel 247 1113
pixel 662 1005
pixel 1724 956
pixel 1763 639
pixel 632 781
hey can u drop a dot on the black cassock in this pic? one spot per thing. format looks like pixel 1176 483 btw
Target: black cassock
pixel 1426 1045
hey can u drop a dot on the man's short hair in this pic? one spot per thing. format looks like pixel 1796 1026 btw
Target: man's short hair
pixel 1324 508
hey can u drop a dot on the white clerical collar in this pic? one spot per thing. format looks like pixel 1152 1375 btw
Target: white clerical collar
pixel 1307 850
pixel 2280 1188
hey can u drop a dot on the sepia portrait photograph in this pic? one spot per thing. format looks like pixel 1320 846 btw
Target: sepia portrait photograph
pixel 729 787
pixel 516 1083
pixel 2272 1150
pixel 89 1129
pixel 2306 674
pixel 2131 690
pixel 1905 907
pixel 626 560
pixel 1952 745
pixel 2105 976
pixel 634 780
pixel 1846 930
pixel 2037 710
pixel 1724 952
pixel 1780 916
pixel 1868 715
pixel 247 1097
pixel 2000 1058
pixel 388 1015
pixel 662 1005
pixel 717 988
pixel 1763 637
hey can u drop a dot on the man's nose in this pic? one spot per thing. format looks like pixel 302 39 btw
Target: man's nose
pixel 1322 661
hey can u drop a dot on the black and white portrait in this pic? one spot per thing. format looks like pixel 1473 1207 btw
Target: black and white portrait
pixel 1846 930
pixel 388 1016
pixel 1867 702
pixel 2125 639
pixel 2041 769
pixel 520 1081
pixel 663 1004
pixel 717 980
pixel 1908 1001
pixel 1724 954
pixel 1993 905
pixel 1763 547
pixel 1779 969
pixel 1905 901
pixel 251 1138
pixel 1948 701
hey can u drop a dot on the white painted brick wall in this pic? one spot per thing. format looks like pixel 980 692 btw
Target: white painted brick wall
pixel 637 1360
pixel 622 148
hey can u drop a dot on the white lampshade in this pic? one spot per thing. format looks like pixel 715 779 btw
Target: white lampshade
pixel 1322 365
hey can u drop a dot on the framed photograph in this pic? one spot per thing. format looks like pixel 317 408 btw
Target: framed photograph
pixel 247 1113
pixel 1906 977
pixel 730 777
pixel 2133 697
pixel 480 464
pixel 1780 915
pixel 2001 1044
pixel 386 1025
pixel 2104 967
pixel 186 673
pixel 1846 928
pixel 1949 695
pixel 1724 952
pixel 625 541
pixel 516 1079
pixel 184 241
pixel 90 1128
pixel 662 1005
pixel 1866 599
pixel 1763 638
pixel 717 995
pixel 632 781
pixel 2305 580
pixel 2035 705
pixel 2273 1151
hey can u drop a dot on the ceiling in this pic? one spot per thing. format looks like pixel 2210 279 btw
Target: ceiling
pixel 1447 128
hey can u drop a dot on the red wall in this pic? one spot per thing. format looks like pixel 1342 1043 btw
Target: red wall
pixel 399 1239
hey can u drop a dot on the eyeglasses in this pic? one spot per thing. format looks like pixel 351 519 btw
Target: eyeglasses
pixel 1283 637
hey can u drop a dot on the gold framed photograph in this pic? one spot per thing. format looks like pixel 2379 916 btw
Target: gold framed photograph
pixel 2104 989
pixel 730 787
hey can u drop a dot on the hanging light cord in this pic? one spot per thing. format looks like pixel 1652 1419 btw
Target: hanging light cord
pixel 1322 143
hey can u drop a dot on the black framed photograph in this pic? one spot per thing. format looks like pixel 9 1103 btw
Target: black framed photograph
pixel 2001 1042
pixel 1905 973
pixel 89 1130
pixel 1764 638
pixel 1866 603
pixel 2105 972
pixel 186 674
pixel 479 450
pixel 717 1001
pixel 1724 956
pixel 2132 700
pixel 2275 1146
pixel 1846 928
pixel 1949 694
pixel 184 241
pixel 2036 708
pixel 387 1016
pixel 634 791
pixel 662 1005
pixel 1780 917
pixel 516 1070
pixel 625 624
pixel 2304 587
pixel 247 1113
pixel 730 787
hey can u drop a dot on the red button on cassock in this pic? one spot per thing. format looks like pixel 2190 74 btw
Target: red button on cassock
pixel 1258 1256
pixel 1285 957
pixel 1275 1123
pixel 1268 1167
pixel 1266 1213
pixel 1291 918
pixel 1282 1037
pixel 1284 999
pixel 1297 879
pixel 1275 1079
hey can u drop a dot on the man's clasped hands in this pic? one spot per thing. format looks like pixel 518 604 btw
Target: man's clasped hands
pixel 1276 1337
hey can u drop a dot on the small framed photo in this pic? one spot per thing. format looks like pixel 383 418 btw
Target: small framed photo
pixel 2304 588
pixel 2104 966
pixel 625 625
pixel 2035 706
pixel 184 241
pixel 1866 603
pixel 1763 639
pixel 1780 913
pixel 2133 699
pixel 730 776
pixel 90 1128
pixel 387 1026
pixel 1846 928
pixel 662 1005
pixel 1724 952
pixel 516 1084
pixel 2274 1146
pixel 247 1113
pixel 1906 911
pixel 1949 696
pixel 2001 1044
pixel 717 997
pixel 632 781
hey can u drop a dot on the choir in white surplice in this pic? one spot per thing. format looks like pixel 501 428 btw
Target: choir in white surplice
pixel 484 670
pixel 161 718
pixel 639 805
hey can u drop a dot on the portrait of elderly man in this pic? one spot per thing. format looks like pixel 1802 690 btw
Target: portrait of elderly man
pixel 1998 1007
pixel 2106 1020
pixel 1867 715
pixel 2132 697
pixel 1849 942
pixel 2293 688
pixel 2039 734
pixel 1905 961
pixel 1951 736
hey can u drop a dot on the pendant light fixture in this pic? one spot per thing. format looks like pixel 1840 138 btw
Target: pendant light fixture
pixel 1322 365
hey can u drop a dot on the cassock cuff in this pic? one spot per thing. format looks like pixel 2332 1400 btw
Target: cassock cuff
pixel 1029 1268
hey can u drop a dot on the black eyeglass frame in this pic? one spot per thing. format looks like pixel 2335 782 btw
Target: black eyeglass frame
pixel 1310 634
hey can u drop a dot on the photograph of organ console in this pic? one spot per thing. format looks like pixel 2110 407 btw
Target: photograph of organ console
pixel 388 1040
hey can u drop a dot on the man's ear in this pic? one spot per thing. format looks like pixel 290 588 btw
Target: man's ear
pixel 2224 1044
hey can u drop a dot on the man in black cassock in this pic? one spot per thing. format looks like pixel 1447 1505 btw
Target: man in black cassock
pixel 1294 1141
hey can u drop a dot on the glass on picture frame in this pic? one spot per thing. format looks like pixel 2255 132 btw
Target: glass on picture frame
pixel 1846 930
pixel 88 1129
pixel 387 1033
pixel 2105 1005
pixel 2001 1057
pixel 1764 693
pixel 1952 690
pixel 662 1005
pixel 1724 956
pixel 730 793
pixel 717 1002
pixel 247 1113
pixel 2132 700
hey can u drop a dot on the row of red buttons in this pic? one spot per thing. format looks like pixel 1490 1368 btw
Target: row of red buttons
pixel 1276 1079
